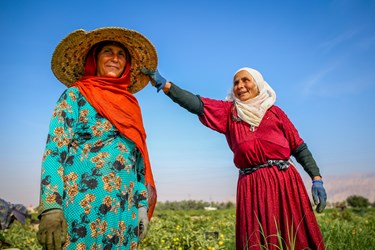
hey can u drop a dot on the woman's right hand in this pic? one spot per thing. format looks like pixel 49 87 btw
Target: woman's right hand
pixel 52 229
pixel 156 79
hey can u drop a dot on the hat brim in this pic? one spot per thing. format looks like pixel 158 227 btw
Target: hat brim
pixel 68 59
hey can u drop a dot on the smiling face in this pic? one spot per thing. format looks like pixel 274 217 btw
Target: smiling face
pixel 111 61
pixel 244 86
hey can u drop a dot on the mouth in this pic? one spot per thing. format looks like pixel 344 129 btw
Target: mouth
pixel 113 66
pixel 241 93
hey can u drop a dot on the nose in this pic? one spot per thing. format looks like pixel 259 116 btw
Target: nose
pixel 115 57
pixel 240 84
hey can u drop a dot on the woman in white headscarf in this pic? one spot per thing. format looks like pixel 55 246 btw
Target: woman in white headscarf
pixel 273 207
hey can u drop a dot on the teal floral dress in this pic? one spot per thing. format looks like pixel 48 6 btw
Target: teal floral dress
pixel 94 174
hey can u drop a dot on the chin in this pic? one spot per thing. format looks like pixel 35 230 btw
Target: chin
pixel 112 75
pixel 243 98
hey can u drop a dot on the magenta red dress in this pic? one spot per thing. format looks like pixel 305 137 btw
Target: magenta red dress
pixel 270 202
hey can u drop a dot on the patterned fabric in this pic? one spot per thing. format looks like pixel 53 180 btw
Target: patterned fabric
pixel 9 212
pixel 282 165
pixel 94 174
pixel 271 203
pixel 111 99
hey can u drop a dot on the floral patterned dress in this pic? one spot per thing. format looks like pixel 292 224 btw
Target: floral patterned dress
pixel 94 174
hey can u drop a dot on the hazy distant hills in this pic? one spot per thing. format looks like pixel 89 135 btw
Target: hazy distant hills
pixel 340 187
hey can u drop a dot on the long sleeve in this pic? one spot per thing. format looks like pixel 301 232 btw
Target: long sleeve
pixel 56 154
pixel 305 158
pixel 185 99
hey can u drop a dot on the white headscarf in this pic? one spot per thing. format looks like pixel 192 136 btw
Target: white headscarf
pixel 253 110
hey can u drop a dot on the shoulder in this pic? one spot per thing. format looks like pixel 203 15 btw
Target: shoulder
pixel 215 106
pixel 70 95
pixel 215 102
pixel 71 92
pixel 276 110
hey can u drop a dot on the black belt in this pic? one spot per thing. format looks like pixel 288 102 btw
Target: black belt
pixel 281 164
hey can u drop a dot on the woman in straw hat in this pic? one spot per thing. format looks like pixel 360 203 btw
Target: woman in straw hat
pixel 273 207
pixel 97 188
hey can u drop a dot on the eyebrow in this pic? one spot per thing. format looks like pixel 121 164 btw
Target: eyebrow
pixel 110 46
pixel 242 78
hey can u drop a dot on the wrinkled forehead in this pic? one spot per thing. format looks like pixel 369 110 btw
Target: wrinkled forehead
pixel 102 44
pixel 99 46
pixel 258 78
pixel 241 74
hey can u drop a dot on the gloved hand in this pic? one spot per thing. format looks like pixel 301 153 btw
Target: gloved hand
pixel 52 229
pixel 156 79
pixel 319 195
pixel 142 223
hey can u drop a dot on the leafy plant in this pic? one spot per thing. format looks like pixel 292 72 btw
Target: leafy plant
pixel 20 236
pixel 215 230
pixel 357 201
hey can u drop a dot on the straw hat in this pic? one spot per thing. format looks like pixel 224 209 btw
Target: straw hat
pixel 68 59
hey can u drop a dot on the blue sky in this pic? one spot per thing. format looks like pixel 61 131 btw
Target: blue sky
pixel 319 56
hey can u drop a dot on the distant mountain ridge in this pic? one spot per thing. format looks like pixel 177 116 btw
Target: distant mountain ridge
pixel 340 187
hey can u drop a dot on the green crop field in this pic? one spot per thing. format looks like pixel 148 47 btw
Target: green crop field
pixel 200 229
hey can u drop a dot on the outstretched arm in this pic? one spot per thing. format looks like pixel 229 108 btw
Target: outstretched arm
pixel 190 102
pixel 185 99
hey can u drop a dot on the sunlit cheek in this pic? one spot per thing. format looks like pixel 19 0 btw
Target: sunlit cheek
pixel 254 92
pixel 234 90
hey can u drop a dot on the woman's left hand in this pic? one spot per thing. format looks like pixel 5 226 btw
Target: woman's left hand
pixel 142 223
pixel 319 195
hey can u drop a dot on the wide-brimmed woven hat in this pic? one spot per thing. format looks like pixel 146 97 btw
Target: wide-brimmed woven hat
pixel 68 59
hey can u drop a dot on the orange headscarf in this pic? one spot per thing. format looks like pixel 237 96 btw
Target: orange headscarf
pixel 112 100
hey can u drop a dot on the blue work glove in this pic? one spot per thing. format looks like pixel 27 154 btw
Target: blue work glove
pixel 142 223
pixel 156 79
pixel 319 195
